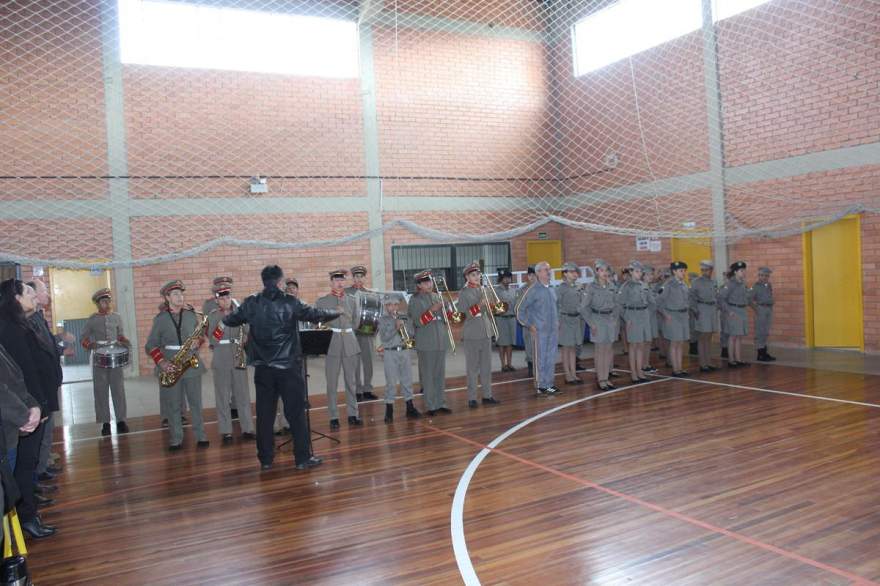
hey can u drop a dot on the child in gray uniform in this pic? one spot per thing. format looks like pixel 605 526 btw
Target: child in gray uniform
pixel 734 299
pixel 395 351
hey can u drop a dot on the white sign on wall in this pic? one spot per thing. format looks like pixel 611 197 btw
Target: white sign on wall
pixel 647 244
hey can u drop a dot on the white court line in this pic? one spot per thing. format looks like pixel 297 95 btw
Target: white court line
pixel 456 517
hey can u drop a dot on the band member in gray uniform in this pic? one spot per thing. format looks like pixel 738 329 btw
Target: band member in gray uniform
pixel 762 302
pixel 734 299
pixel 537 312
pixel 343 351
pixel 674 307
pixel 364 371
pixel 571 324
pixel 704 312
pixel 506 322
pixel 694 346
pixel 476 336
pixel 230 377
pixel 432 340
pixel 528 345
pixel 648 278
pixel 102 329
pixel 210 304
pixel 634 300
pixel 171 328
pixel 600 310
pixel 396 357
pixel 724 337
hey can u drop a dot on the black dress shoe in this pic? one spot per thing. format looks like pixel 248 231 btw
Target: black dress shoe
pixel 45 489
pixel 352 420
pixel 310 463
pixel 105 429
pixel 248 436
pixel 711 368
pixel 56 470
pixel 580 366
pixel 45 476
pixel 36 529
pixel 411 411
pixel 446 410
pixel 552 390
pixel 472 404
pixel 203 444
pixel 705 369
pixel 431 412
pixel 609 386
pixel 175 447
pixel 359 397
pixel 643 379
pixel 613 374
pixel 265 465
pixel 43 501
pixel 369 396
pixel 121 427
pixel 491 401
pixel 334 425
pixel 227 439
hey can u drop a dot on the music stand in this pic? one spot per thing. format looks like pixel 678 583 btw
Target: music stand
pixel 313 343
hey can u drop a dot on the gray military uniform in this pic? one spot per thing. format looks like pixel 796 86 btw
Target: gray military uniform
pixel 634 299
pixel 396 358
pixel 762 302
pixel 674 306
pixel 571 324
pixel 228 381
pixel 734 298
pixel 431 344
pixel 103 330
pixel 528 344
pixel 342 353
pixel 164 335
pixel 364 370
pixel 703 301
pixel 477 341
pixel 600 310
pixel 506 322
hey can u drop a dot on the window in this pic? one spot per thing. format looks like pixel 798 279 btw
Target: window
pixel 628 27
pixel 180 34
pixel 9 270
pixel 448 260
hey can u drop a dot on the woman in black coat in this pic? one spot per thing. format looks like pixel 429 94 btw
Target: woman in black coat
pixel 37 364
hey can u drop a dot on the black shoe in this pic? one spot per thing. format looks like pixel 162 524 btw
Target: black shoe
pixel 431 412
pixel 248 436
pixel 744 364
pixel 233 413
pixel 389 413
pixel 609 386
pixel 576 381
pixel 310 463
pixel 445 410
pixel 649 369
pixel 724 353
pixel 334 424
pixel 121 427
pixel 56 470
pixel 369 396
pixel 43 501
pixel 37 530
pixel 353 420
pixel 359 397
pixel 265 466
pixel 642 379
pixel 768 356
pixel 472 404
pixel 203 444
pixel 227 439
pixel 711 368
pixel 733 364
pixel 552 390
pixel 44 489
pixel 175 447
pixel 45 476
pixel 580 366
pixel 680 374
pixel 491 401
pixel 613 374
pixel 411 411
pixel 105 429
pixel 541 392
pixel 705 369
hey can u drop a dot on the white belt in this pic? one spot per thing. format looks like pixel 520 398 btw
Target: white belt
pixel 103 342
pixel 172 347
pixel 341 330
pixel 225 342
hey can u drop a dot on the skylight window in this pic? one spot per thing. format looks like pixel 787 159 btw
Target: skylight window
pixel 180 34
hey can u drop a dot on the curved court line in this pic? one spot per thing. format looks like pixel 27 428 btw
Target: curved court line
pixel 459 545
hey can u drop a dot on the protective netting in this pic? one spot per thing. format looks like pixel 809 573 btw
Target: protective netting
pixel 471 106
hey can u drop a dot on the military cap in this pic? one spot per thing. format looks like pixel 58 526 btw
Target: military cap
pixel 170 286
pixel 222 289
pixel 648 268
pixel 423 276
pixel 636 265
pixel 101 294
pixel 338 274
pixel 765 270
pixel 738 265
pixel 359 270
pixel 474 266
pixel 530 270
pixel 707 264
pixel 504 272
pixel 570 266
pixel 675 265
pixel 291 281
pixel 601 263
pixel 222 280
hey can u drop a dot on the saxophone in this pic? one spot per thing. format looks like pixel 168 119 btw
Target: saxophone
pixel 185 358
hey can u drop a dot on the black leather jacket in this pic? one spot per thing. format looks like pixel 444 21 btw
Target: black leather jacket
pixel 274 318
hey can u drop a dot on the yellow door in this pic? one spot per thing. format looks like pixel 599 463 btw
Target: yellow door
pixel 836 278
pixel 549 250
pixel 72 292
pixel 692 251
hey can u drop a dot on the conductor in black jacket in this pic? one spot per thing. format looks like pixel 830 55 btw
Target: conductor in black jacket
pixel 273 348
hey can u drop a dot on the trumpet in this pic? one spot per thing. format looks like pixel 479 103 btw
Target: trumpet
pixel 408 341
pixel 449 315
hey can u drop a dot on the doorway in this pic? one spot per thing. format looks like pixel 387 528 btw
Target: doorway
pixel 544 250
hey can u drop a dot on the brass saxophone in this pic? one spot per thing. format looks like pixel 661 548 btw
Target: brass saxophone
pixel 185 359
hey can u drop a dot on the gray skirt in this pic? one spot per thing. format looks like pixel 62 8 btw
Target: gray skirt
pixel 677 328
pixel 506 330
pixel 571 330
pixel 638 326
pixel 706 321
pixel 604 329
pixel 655 323
pixel 737 321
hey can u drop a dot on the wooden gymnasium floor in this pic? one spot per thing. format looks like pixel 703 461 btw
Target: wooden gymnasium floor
pixel 765 475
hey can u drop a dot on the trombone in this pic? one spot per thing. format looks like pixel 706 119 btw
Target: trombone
pixel 449 315
pixel 494 307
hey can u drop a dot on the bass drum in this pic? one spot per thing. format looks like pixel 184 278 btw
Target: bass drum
pixel 112 356
pixel 369 309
